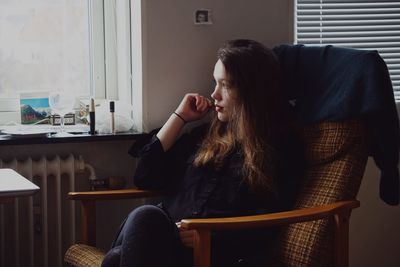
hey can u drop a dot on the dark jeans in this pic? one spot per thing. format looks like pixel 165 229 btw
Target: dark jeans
pixel 148 238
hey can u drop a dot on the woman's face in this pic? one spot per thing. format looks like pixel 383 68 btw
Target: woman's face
pixel 224 96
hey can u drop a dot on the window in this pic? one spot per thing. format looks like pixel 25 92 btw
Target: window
pixel 82 46
pixel 44 46
pixel 361 24
pixel 49 45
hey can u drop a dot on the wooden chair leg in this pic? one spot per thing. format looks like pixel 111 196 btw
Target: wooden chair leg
pixel 202 248
pixel 342 239
pixel 88 213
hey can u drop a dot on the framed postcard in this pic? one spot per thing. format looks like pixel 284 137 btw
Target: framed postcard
pixel 202 17
pixel 34 107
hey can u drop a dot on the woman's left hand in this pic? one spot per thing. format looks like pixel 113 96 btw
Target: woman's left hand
pixel 185 235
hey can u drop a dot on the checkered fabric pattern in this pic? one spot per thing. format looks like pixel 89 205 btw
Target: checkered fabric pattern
pixel 83 256
pixel 336 156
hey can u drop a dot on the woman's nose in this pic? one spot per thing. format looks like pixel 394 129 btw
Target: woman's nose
pixel 216 95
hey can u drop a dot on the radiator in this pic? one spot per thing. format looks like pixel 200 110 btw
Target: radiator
pixel 36 230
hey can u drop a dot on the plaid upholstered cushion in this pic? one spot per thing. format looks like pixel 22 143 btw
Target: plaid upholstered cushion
pixel 335 157
pixel 80 255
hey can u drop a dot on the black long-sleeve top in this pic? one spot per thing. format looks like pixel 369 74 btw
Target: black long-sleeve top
pixel 198 192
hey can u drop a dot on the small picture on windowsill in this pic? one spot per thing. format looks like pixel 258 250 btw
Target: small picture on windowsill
pixel 202 17
pixel 34 108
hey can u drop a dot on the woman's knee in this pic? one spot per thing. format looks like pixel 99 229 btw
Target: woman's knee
pixel 147 216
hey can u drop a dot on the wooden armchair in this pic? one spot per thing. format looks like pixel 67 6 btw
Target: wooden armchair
pixel 315 233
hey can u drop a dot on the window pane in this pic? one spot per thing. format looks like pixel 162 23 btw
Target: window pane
pixel 44 46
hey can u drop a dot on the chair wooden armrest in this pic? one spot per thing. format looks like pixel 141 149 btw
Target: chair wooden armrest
pixel 88 208
pixel 271 219
pixel 112 194
pixel 340 211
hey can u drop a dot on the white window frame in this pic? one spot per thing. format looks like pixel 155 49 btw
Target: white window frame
pixel 117 50
pixel 344 23
pixel 138 62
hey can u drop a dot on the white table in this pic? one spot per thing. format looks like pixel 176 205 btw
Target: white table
pixel 13 185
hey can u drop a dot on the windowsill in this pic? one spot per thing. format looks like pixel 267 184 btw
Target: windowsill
pixel 76 137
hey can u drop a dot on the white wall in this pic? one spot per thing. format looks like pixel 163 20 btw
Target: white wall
pixel 375 226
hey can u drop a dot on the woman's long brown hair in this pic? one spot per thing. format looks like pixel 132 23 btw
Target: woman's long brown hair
pixel 254 74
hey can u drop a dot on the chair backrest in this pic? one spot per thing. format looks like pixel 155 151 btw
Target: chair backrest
pixel 336 155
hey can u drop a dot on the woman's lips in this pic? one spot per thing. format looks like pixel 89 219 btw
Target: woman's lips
pixel 218 108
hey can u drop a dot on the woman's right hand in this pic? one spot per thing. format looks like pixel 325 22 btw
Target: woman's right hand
pixel 193 107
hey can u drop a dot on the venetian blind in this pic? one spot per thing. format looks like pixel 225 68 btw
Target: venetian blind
pixel 362 24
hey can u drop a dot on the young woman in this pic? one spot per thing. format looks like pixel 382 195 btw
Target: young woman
pixel 230 167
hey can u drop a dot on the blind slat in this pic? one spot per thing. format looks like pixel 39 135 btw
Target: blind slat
pixel 344 11
pixel 394 73
pixel 349 5
pixel 390 61
pixel 360 28
pixel 369 46
pixel 349 17
pixel 383 50
pixel 361 41
pixel 348 22
pixel 350 34
pixel 391 55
